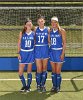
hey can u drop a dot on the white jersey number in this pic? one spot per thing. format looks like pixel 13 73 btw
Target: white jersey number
pixel 28 43
pixel 41 39
pixel 53 41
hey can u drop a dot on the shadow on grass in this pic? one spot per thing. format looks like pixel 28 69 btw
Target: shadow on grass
pixel 75 86
pixel 33 95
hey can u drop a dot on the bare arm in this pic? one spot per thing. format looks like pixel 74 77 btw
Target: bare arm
pixel 35 34
pixel 19 41
pixel 64 40
pixel 63 33
pixel 49 36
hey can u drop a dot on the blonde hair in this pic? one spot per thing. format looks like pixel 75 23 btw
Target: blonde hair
pixel 55 18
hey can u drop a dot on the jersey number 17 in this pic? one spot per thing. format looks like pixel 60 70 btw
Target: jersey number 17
pixel 41 39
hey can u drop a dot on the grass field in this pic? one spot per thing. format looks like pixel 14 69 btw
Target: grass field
pixel 71 89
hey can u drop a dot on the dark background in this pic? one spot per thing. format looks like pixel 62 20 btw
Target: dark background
pixel 42 0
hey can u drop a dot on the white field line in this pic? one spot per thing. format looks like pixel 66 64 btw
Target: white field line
pixel 41 7
pixel 65 79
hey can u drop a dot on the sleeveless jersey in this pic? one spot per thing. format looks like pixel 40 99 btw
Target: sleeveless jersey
pixel 41 37
pixel 56 40
pixel 27 41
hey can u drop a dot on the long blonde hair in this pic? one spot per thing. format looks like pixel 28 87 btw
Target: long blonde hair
pixel 56 19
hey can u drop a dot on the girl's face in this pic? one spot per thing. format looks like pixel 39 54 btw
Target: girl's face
pixel 28 25
pixel 54 24
pixel 41 22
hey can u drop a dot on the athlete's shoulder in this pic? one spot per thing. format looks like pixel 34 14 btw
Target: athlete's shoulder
pixel 36 27
pixel 33 33
pixel 50 29
pixel 62 30
pixel 46 27
pixel 20 34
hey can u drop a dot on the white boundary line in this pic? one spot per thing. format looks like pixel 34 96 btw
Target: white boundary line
pixel 41 7
pixel 35 79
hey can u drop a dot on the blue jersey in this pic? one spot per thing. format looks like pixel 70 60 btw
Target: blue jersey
pixel 41 36
pixel 56 40
pixel 27 41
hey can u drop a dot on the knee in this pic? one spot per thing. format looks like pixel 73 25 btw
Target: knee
pixel 45 68
pixel 20 73
pixel 58 71
pixel 39 69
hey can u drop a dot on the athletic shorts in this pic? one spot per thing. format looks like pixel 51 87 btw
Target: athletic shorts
pixel 42 52
pixel 55 56
pixel 27 57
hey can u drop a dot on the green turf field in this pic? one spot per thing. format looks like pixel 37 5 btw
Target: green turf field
pixel 71 88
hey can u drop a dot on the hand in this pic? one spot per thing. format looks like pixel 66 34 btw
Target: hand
pixel 19 57
pixel 62 57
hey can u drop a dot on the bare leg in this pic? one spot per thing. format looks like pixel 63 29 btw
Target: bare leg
pixel 39 65
pixel 21 69
pixel 45 62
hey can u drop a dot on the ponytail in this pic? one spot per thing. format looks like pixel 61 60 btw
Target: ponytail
pixel 59 28
pixel 24 30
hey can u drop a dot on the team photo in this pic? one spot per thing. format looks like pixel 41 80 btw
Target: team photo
pixel 41 49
